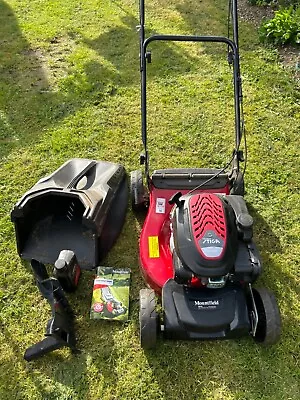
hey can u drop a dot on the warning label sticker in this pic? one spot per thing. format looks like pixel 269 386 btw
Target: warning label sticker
pixel 153 247
pixel 160 205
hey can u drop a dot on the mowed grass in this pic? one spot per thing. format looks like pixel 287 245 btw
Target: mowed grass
pixel 69 87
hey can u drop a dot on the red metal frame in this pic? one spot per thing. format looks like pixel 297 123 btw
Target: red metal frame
pixel 157 268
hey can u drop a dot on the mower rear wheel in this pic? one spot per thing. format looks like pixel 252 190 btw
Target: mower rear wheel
pixel 269 320
pixel 148 319
pixel 137 191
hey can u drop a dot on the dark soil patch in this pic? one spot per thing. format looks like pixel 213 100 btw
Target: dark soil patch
pixel 289 56
pixel 254 14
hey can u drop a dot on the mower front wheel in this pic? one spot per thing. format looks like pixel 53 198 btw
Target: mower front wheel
pixel 137 191
pixel 148 319
pixel 269 320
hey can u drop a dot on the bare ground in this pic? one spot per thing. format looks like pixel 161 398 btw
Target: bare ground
pixel 289 56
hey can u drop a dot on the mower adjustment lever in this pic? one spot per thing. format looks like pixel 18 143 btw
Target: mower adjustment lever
pixel 148 57
pixel 142 159
pixel 240 155
pixel 175 199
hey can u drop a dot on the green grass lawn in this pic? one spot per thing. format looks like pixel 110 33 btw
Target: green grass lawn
pixel 69 87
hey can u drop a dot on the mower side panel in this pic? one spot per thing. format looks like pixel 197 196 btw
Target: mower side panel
pixel 155 255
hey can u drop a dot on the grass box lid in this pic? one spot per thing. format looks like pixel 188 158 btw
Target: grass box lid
pixel 111 294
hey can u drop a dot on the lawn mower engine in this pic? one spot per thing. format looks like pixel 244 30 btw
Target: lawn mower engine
pixel 213 258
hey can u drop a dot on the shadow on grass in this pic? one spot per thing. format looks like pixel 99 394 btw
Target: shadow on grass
pixel 36 94
pixel 27 104
pixel 273 275
pixel 120 46
pixel 30 103
pixel 199 20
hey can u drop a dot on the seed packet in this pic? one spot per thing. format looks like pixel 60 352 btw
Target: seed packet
pixel 111 294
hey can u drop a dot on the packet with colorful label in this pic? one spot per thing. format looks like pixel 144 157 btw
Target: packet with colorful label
pixel 111 294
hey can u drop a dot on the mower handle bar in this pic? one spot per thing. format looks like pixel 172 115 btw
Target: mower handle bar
pixel 191 38
pixel 188 38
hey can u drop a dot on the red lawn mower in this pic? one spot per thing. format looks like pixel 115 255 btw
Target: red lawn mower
pixel 196 247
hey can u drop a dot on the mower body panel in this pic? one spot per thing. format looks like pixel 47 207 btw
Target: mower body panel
pixel 198 313
pixel 155 255
pixel 80 207
pixel 165 223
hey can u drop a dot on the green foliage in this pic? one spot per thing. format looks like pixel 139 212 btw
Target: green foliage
pixel 283 28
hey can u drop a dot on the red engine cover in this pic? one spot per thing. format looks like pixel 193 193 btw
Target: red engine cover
pixel 158 268
pixel 208 223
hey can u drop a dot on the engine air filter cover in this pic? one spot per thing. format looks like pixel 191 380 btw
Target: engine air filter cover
pixel 205 235
pixel 208 225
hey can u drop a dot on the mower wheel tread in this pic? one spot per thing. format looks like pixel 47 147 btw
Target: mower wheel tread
pixel 269 319
pixel 137 190
pixel 148 319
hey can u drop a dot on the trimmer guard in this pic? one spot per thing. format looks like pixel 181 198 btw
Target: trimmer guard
pixel 80 207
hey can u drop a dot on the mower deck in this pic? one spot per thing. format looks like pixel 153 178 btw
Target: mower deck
pixel 192 313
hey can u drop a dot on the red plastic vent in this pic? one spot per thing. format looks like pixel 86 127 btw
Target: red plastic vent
pixel 207 213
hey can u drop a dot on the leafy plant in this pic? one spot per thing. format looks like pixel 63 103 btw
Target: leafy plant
pixel 283 28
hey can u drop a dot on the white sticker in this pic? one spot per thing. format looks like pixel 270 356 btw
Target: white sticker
pixel 103 281
pixel 160 205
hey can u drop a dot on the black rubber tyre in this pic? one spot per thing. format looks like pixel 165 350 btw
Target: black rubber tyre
pixel 148 319
pixel 269 321
pixel 137 191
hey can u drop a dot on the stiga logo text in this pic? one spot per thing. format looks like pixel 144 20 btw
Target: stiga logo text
pixel 210 241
